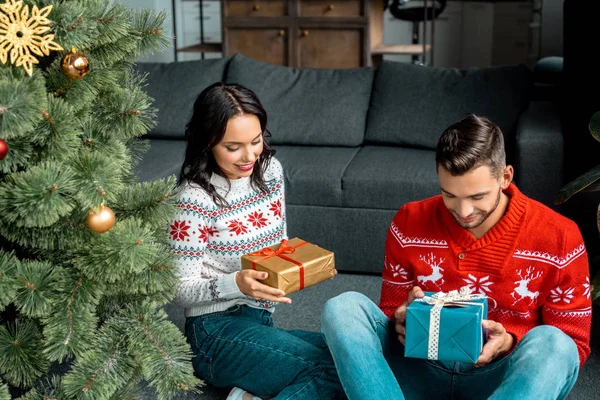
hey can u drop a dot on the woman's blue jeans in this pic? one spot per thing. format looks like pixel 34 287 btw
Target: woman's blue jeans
pixel 371 363
pixel 240 347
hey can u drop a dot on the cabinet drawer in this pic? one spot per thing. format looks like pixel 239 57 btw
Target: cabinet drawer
pixel 330 48
pixel 331 8
pixel 255 8
pixel 267 45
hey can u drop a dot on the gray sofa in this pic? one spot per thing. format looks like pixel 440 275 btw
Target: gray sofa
pixel 356 144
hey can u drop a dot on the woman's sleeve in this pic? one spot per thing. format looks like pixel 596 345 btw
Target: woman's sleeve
pixel 199 283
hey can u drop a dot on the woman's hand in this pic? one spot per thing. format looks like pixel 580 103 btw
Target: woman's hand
pixel 248 280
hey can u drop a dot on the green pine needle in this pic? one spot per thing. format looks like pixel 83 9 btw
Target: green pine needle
pixel 49 388
pixel 163 353
pixel 38 284
pixel 126 110
pixel 22 99
pixel 8 279
pixel 74 143
pixel 4 394
pixel 21 358
pixel 94 177
pixel 150 202
pixel 126 248
pixel 37 197
pixel 67 233
pixel 72 320
pixel 57 136
pixel 105 367
pixel 148 27
pixel 21 151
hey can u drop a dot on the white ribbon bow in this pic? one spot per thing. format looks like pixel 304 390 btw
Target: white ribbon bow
pixel 462 298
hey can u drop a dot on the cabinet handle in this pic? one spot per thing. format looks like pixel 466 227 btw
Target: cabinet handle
pixel 256 7
pixel 330 7
pixel 281 32
pixel 305 32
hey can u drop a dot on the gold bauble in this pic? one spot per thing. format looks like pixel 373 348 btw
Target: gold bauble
pixel 101 220
pixel 74 65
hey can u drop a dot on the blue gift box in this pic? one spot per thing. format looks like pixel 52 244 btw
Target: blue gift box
pixel 451 332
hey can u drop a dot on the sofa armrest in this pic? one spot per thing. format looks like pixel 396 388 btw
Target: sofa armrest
pixel 539 161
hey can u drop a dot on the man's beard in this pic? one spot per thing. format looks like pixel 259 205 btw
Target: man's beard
pixel 484 217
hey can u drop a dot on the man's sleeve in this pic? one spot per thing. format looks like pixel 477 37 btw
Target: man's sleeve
pixel 397 274
pixel 569 304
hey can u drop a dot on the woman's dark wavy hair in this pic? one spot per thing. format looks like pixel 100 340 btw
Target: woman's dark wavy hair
pixel 470 143
pixel 213 108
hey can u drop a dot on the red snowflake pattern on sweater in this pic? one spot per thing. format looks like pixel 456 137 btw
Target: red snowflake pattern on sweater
pixel 179 230
pixel 237 227
pixel 275 207
pixel 257 220
pixel 205 232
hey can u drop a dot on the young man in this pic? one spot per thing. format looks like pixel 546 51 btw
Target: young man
pixel 483 233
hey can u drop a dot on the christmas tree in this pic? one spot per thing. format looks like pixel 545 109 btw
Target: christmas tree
pixel 84 265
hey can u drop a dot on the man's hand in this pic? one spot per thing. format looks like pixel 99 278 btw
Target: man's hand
pixel 498 343
pixel 248 282
pixel 400 313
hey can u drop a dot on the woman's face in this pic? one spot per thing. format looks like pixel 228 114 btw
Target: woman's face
pixel 241 146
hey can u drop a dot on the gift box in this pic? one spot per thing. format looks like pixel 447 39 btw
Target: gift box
pixel 292 265
pixel 446 326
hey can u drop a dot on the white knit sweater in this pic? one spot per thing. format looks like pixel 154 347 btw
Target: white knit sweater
pixel 208 241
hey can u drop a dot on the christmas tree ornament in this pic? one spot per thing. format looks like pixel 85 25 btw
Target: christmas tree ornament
pixel 101 220
pixel 21 34
pixel 3 149
pixel 74 65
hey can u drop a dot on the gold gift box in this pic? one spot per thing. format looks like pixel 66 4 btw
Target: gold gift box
pixel 292 265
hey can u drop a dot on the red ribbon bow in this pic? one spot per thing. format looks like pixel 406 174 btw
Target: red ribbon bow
pixel 283 249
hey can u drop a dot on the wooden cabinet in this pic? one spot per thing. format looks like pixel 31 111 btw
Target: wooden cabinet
pixel 300 33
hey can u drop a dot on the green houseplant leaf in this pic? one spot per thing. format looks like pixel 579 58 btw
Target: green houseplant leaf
pixel 588 182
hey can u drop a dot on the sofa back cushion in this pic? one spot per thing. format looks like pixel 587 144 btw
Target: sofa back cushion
pixel 174 88
pixel 412 105
pixel 321 107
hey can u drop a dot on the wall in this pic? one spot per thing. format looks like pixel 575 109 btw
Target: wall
pixel 552 28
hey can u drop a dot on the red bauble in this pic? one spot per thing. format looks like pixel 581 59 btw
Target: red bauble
pixel 3 149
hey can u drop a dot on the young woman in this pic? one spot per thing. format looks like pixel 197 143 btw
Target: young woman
pixel 231 202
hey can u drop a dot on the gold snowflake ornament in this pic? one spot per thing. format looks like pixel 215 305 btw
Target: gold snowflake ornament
pixel 21 34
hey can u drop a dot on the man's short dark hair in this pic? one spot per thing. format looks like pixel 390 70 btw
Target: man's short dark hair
pixel 470 143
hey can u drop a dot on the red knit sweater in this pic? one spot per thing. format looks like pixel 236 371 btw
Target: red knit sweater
pixel 532 265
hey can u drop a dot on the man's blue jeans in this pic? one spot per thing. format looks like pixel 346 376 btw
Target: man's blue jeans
pixel 240 347
pixel 371 363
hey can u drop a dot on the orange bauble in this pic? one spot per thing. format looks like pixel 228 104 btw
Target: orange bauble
pixel 101 220
pixel 75 65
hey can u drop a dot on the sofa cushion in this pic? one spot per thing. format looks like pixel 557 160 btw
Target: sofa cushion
pixel 174 88
pixel 295 99
pixel 163 158
pixel 313 175
pixel 411 105
pixel 387 177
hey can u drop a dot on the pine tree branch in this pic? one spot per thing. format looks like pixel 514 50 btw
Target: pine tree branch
pixel 37 197
pixel 4 394
pixel 21 100
pixel 38 287
pixel 8 279
pixel 150 202
pixel 107 366
pixel 73 319
pixel 128 247
pixel 164 355
pixel 21 358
